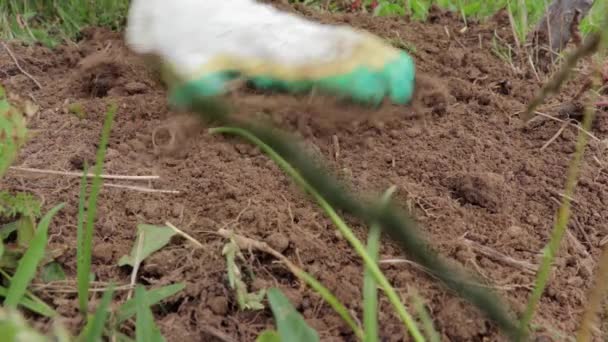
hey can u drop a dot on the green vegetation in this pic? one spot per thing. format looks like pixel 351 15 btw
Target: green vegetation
pixel 50 22
pixel 27 257
pixel 53 21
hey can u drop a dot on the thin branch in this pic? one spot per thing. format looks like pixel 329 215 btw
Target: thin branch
pixel 497 256
pixel 555 136
pixel 183 234
pixel 589 134
pixel 80 174
pixel 10 53
pixel 140 188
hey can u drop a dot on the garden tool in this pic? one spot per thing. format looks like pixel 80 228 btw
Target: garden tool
pixel 203 46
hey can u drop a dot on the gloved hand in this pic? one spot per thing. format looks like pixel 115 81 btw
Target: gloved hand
pixel 206 44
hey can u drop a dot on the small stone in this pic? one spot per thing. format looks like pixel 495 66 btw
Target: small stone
pixel 413 132
pixel 514 232
pixel 137 145
pixel 112 154
pixel 260 284
pixel 294 296
pixel 152 209
pixel 248 216
pixel 103 252
pixel 278 241
pixel 135 87
pixel 532 219
pixel 178 209
pixel 219 305
pixel 379 125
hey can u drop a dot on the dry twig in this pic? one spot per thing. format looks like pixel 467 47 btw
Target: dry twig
pixel 140 188
pixel 554 84
pixel 10 53
pixel 497 256
pixel 80 174
pixel 554 137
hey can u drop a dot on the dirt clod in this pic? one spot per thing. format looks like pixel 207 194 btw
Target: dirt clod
pixel 278 241
pixel 219 305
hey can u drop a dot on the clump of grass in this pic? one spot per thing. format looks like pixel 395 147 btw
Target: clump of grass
pixel 21 203
pixel 103 322
pixel 13 132
pixel 51 22
pixel 28 264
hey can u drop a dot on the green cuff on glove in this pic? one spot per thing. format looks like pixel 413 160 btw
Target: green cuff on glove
pixel 396 80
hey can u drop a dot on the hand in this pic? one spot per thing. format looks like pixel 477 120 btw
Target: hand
pixel 208 45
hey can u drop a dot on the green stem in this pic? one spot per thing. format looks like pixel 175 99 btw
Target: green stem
pixel 370 289
pixel 340 224
pixel 330 299
pixel 559 227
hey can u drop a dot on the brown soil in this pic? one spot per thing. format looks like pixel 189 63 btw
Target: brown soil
pixel 463 164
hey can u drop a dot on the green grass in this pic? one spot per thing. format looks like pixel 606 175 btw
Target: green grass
pixel 54 21
pixel 51 22
pixel 34 240
pixel 86 220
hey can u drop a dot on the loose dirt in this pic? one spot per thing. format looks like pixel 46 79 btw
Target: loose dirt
pixel 462 161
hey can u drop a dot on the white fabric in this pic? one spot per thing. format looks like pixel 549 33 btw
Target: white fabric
pixel 188 33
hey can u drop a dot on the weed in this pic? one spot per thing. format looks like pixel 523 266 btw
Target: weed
pixel 246 300
pixel 20 204
pixel 51 22
pixel 12 132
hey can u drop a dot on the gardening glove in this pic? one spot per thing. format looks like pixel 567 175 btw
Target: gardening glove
pixel 207 44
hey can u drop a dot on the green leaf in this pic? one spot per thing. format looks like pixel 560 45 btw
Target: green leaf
pixel 149 239
pixel 290 323
pixel 25 230
pixel 26 270
pixel 13 327
pixel 7 229
pixel 268 336
pixel 10 258
pixel 145 329
pixel 83 259
pixel 85 224
pixel 38 307
pixel 52 272
pixel 153 297
pixel 1 249
pixel 95 329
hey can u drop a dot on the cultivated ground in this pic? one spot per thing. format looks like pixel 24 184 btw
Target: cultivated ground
pixel 484 188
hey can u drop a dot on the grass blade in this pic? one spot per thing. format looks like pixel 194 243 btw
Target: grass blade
pixel 145 329
pixel 340 224
pixel 153 297
pixel 370 287
pixel 427 322
pixel 290 324
pixel 26 270
pixel 560 225
pixel 595 299
pixel 95 330
pixel 85 243
pixel 82 282
pixel 37 306
pixel 328 297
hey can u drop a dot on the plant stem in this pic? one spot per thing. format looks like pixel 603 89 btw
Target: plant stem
pixel 370 290
pixel 340 224
pixel 559 227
